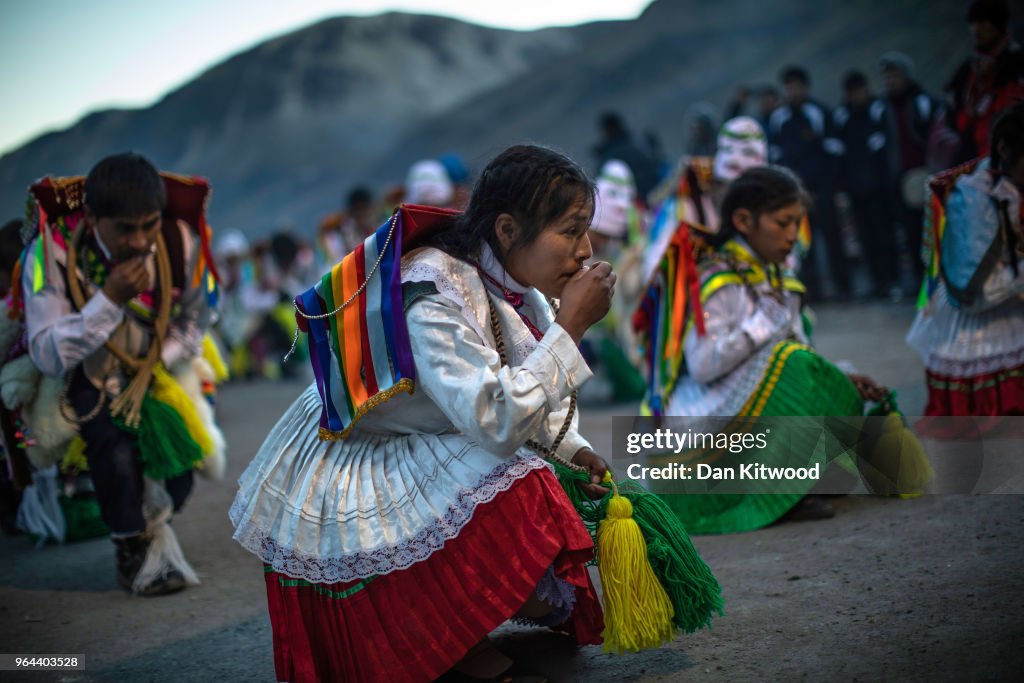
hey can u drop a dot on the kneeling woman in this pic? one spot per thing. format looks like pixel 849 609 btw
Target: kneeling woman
pixel 750 354
pixel 392 553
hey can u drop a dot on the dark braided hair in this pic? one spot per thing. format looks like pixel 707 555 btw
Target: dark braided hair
pixel 760 190
pixel 534 185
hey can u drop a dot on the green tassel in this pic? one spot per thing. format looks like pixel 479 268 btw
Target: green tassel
pixel 692 588
pixel 82 518
pixel 695 593
pixel 165 446
pixel 590 511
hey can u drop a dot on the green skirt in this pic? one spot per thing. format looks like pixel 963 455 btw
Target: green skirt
pixel 797 382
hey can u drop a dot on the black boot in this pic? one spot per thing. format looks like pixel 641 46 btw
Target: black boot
pixel 131 553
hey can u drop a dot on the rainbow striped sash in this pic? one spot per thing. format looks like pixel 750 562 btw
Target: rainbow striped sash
pixel 355 323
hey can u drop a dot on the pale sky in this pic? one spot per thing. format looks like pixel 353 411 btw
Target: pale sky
pixel 62 59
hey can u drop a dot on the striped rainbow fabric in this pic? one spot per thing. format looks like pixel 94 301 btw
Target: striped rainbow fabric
pixel 355 323
pixel 673 295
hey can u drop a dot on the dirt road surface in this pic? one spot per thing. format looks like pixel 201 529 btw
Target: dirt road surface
pixel 888 590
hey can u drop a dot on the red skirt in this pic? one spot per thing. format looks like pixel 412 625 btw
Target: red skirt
pixel 414 624
pixel 989 396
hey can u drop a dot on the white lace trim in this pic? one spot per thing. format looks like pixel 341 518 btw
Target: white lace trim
pixel 974 367
pixel 558 593
pixel 951 341
pixel 522 351
pixel 387 559
pixel 421 272
pixel 725 396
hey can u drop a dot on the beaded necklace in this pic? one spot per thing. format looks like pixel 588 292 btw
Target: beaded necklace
pixel 548 452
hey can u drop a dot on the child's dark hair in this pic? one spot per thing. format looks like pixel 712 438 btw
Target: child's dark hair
pixel 1008 130
pixel 759 190
pixel 124 186
pixel 532 184
pixel 284 249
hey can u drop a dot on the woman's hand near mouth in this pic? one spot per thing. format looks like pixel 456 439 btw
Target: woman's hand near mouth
pixel 586 298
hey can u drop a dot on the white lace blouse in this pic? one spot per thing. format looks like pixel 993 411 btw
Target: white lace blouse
pixel 414 470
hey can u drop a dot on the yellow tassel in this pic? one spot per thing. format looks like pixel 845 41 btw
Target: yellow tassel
pixel 167 390
pixel 212 355
pixel 74 457
pixel 637 610
pixel 898 461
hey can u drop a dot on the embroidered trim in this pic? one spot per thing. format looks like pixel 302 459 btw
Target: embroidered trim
pixel 422 272
pixel 318 589
pixel 361 565
pixel 968 385
pixel 405 384
pixel 974 367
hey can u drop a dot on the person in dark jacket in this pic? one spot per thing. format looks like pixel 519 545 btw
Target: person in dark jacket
pixel 862 125
pixel 913 114
pixel 800 137
pixel 989 81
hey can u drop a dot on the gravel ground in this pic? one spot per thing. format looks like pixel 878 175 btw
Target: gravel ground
pixel 924 589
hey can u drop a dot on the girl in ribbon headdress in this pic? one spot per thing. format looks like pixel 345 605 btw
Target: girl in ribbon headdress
pixel 428 517
pixel 727 337
pixel 969 330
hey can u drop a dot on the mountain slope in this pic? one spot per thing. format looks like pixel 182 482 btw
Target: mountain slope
pixel 296 112
pixel 284 129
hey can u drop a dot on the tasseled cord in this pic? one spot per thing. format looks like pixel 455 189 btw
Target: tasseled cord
pixel 637 611
pixel 693 591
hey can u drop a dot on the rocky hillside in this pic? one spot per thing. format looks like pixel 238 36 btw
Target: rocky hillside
pixel 284 129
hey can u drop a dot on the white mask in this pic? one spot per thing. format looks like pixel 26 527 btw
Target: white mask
pixel 616 193
pixel 428 183
pixel 741 145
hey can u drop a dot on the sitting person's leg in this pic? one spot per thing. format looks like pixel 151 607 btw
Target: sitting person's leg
pixel 113 461
pixel 179 488
pixel 116 471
